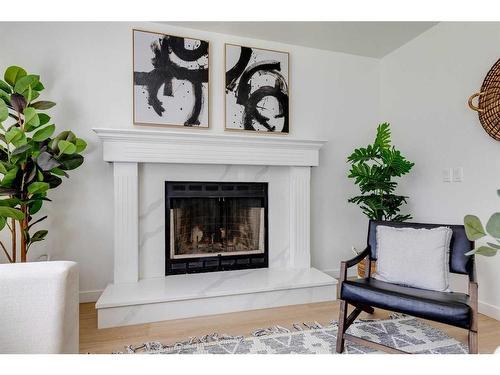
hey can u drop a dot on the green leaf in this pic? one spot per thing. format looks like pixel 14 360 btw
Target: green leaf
pixel 4 96
pixel 66 135
pixel 5 87
pixel 38 187
pixel 473 227
pixel 4 111
pixel 21 149
pixel 31 118
pixel 33 94
pixel 35 206
pixel 14 135
pixel 29 96
pixel 483 250
pixel 80 145
pixel 493 245
pixel 13 213
pixel 66 147
pixel 395 163
pixel 42 105
pixel 23 83
pixel 59 172
pixel 493 225
pixel 44 118
pixel 44 133
pixel 9 177
pixel 14 73
pixel 363 154
pixel 9 202
pixel 20 139
pixel 39 236
pixel 52 180
pixel 3 221
pixel 69 162
pixel 39 86
pixel 3 170
pixel 383 137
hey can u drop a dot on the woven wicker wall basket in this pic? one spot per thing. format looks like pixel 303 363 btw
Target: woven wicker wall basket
pixel 488 106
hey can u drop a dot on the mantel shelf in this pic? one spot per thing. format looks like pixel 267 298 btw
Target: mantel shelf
pixel 199 147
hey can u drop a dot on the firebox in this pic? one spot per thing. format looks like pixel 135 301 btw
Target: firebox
pixel 215 226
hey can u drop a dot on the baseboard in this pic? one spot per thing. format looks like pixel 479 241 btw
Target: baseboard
pixel 90 295
pixel 489 310
pixel 335 272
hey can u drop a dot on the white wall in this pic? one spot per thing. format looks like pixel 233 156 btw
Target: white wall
pixel 424 90
pixel 87 69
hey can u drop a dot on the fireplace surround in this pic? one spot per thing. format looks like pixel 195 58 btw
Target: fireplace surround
pixel 215 226
pixel 143 159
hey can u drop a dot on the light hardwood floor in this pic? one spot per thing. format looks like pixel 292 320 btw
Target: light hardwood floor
pixel 111 340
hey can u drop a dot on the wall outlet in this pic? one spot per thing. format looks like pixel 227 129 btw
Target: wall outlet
pixel 458 174
pixel 447 175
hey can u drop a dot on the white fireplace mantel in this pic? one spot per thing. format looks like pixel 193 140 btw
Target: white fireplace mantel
pixel 201 147
pixel 154 299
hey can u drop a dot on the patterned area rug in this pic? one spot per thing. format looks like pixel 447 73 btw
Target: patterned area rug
pixel 406 333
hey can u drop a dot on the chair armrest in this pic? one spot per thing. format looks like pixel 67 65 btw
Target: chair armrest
pixel 473 295
pixel 344 265
pixel 472 272
pixel 358 258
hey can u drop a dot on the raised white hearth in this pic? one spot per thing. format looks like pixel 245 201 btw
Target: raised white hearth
pixel 143 160
pixel 189 295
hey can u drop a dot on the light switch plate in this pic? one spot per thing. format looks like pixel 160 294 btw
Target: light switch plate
pixel 458 174
pixel 447 175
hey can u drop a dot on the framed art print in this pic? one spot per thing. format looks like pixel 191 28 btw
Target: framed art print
pixel 170 80
pixel 256 90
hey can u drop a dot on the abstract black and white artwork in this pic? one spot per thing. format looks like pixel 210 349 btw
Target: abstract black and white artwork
pixel 170 80
pixel 256 89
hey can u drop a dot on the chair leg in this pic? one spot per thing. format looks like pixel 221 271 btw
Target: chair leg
pixel 341 325
pixel 473 347
pixel 365 308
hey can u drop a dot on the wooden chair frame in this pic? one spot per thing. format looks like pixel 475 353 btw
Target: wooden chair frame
pixel 345 321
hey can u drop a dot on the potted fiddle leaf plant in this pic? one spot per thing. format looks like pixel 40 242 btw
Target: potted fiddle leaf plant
pixel 32 160
pixel 475 231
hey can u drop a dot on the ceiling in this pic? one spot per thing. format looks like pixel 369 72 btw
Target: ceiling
pixel 372 39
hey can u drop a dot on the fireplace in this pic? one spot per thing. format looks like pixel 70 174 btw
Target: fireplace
pixel 215 226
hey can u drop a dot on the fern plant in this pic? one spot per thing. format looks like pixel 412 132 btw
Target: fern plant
pixel 373 169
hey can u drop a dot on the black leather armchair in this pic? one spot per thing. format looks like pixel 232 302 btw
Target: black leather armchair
pixel 456 309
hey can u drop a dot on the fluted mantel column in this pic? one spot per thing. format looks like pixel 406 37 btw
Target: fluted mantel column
pixel 300 217
pixel 126 220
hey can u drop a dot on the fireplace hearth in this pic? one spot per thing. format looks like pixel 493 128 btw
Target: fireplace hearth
pixel 215 226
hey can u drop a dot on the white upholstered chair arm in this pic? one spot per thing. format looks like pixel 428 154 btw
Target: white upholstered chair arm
pixel 39 307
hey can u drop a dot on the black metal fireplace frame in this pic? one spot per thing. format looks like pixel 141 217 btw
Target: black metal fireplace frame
pixel 195 189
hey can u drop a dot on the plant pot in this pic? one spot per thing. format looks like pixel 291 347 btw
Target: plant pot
pixel 361 268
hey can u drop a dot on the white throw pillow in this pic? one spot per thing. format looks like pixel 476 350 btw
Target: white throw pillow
pixel 414 257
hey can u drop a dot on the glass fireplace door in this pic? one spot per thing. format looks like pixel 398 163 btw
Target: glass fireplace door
pixel 201 227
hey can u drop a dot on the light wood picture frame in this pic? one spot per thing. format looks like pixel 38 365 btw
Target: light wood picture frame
pixel 256 90
pixel 170 80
